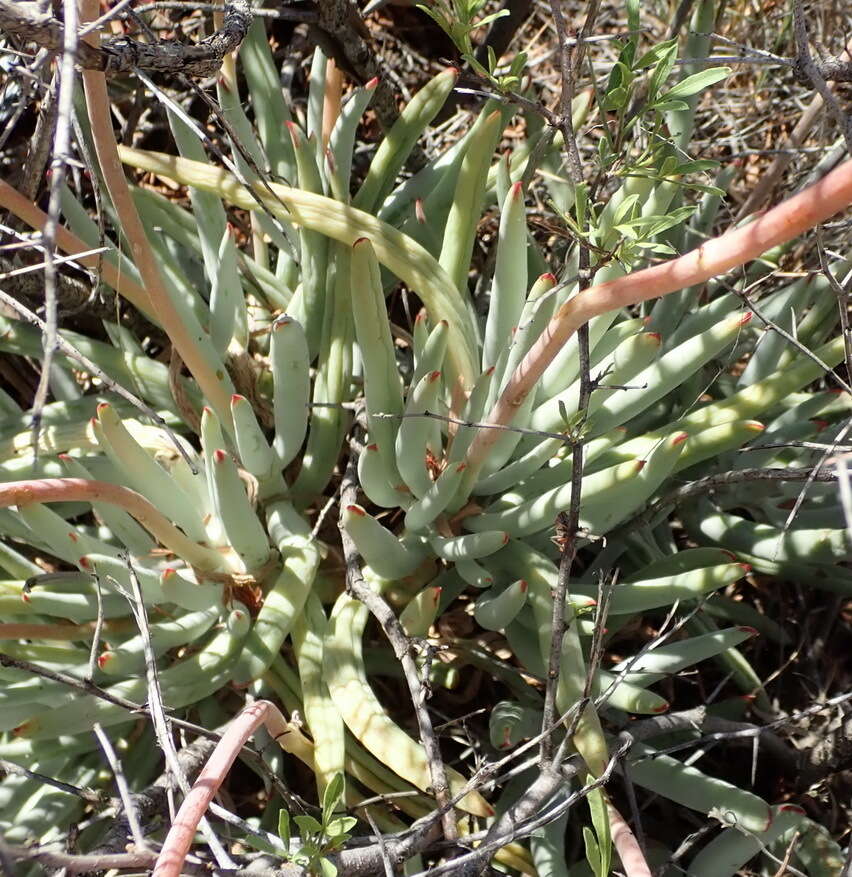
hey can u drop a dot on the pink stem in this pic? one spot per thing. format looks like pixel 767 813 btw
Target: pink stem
pixel 212 383
pixel 779 225
pixel 81 489
pixel 179 839
pixel 626 845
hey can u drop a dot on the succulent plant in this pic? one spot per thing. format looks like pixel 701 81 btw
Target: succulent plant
pixel 202 528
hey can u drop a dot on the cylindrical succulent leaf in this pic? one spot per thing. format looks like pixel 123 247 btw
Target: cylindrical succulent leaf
pixel 509 285
pixel 418 436
pixel 495 611
pixel 430 356
pixel 399 141
pixel 256 455
pixel 472 546
pixel 691 788
pixel 382 383
pixel 146 476
pixel 242 526
pixel 291 387
pixel 423 511
pixel 376 480
pixel 420 612
pixel 384 553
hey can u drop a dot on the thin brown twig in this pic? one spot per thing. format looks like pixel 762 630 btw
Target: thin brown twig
pixel 528 826
pixel 86 686
pixel 90 796
pixel 722 480
pixel 58 164
pixel 765 185
pixel 401 645
pixel 121 785
pixel 569 523
pixel 808 70
pixel 843 298
pixel 791 339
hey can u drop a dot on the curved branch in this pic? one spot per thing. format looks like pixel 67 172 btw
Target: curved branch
pixel 788 220
pixel 81 489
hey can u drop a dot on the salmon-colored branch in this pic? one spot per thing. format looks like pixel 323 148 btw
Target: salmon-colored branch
pixel 626 845
pixel 213 384
pixel 180 836
pixel 82 490
pixel 788 220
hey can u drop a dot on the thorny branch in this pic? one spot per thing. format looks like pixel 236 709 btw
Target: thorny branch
pixel 29 23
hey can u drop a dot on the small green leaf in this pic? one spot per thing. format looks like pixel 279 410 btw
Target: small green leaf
pixel 633 15
pixel 661 71
pixel 478 68
pixel 654 225
pixel 670 106
pixel 327 868
pixel 657 247
pixel 284 827
pixel 340 826
pixel 258 843
pixel 492 17
pixel 668 166
pixel 623 209
pixel 695 166
pixel 593 856
pixel 708 190
pixel 600 820
pixel 652 56
pixel 332 795
pixel 616 98
pixel 518 64
pixel 307 825
pixel 697 82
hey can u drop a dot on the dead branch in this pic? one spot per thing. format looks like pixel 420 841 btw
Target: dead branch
pixel 28 23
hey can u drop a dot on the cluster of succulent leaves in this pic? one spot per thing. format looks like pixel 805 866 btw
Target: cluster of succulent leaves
pixel 298 330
